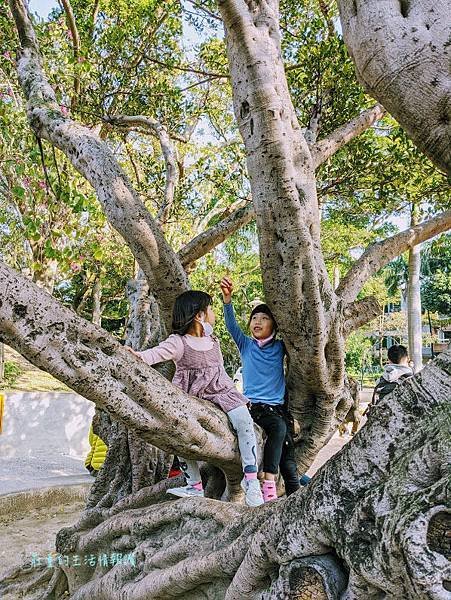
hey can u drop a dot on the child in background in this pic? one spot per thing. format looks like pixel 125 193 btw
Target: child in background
pixel 394 373
pixel 262 357
pixel 200 372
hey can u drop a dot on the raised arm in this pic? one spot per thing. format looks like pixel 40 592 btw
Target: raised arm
pixel 232 326
pixel 229 314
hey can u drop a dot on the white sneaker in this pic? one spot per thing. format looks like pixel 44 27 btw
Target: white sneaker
pixel 251 488
pixel 188 491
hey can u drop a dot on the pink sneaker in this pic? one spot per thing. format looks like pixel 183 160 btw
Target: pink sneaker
pixel 269 490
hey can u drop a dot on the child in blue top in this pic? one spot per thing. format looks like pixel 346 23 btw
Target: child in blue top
pixel 262 357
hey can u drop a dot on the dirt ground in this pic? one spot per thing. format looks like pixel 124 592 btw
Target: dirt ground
pixel 33 535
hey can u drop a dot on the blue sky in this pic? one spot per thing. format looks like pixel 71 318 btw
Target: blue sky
pixel 42 7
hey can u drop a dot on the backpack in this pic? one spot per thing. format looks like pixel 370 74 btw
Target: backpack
pixel 384 387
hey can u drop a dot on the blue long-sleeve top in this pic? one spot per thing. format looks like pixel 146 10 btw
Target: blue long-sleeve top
pixel 263 375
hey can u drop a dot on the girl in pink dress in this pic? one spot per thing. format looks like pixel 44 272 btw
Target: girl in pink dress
pixel 200 372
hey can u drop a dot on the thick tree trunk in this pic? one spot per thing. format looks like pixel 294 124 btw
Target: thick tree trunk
pixel 313 319
pixel 414 325
pixel 282 175
pixel 372 523
pixel 131 463
pixel 401 54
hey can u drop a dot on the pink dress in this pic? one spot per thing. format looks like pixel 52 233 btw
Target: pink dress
pixel 200 373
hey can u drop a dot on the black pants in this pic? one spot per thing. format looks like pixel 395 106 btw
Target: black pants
pixel 279 446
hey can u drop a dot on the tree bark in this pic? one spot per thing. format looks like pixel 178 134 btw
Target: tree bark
pixel 282 174
pixel 143 327
pixel 327 147
pixel 209 239
pixel 401 54
pixel 372 523
pixel 97 302
pixel 281 168
pixel 381 253
pixel 414 325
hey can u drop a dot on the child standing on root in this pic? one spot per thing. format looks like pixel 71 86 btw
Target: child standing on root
pixel 262 357
pixel 200 372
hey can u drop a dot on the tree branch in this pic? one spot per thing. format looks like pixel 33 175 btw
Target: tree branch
pixel 167 147
pixel 94 364
pixel 387 68
pixel 360 313
pixel 76 47
pixel 133 63
pixel 209 239
pixel 325 9
pixel 94 15
pixel 95 161
pixel 327 147
pixel 199 6
pixel 379 254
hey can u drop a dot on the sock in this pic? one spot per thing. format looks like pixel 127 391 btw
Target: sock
pixel 197 486
pixel 248 476
pixel 269 490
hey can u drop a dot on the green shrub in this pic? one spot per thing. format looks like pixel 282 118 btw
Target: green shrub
pixel 12 372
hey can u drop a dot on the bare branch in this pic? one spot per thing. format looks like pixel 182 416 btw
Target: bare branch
pixel 94 15
pixel 360 313
pixel 325 9
pixel 76 47
pixel 201 223
pixel 379 254
pixel 153 126
pixel 95 161
pixel 206 241
pixel 327 147
pixel 199 6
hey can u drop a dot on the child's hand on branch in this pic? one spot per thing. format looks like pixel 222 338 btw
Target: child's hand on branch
pixel 130 349
pixel 226 289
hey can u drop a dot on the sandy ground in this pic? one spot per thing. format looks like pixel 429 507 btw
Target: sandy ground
pixel 33 535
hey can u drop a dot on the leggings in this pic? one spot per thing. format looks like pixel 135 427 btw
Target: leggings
pixel 279 446
pixel 243 426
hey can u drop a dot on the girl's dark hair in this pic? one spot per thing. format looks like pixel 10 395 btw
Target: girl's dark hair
pixel 186 307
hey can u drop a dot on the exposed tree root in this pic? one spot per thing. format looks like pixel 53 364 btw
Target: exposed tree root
pixel 373 522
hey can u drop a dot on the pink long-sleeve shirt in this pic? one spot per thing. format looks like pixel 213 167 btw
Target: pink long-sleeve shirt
pixel 172 348
pixel 199 369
